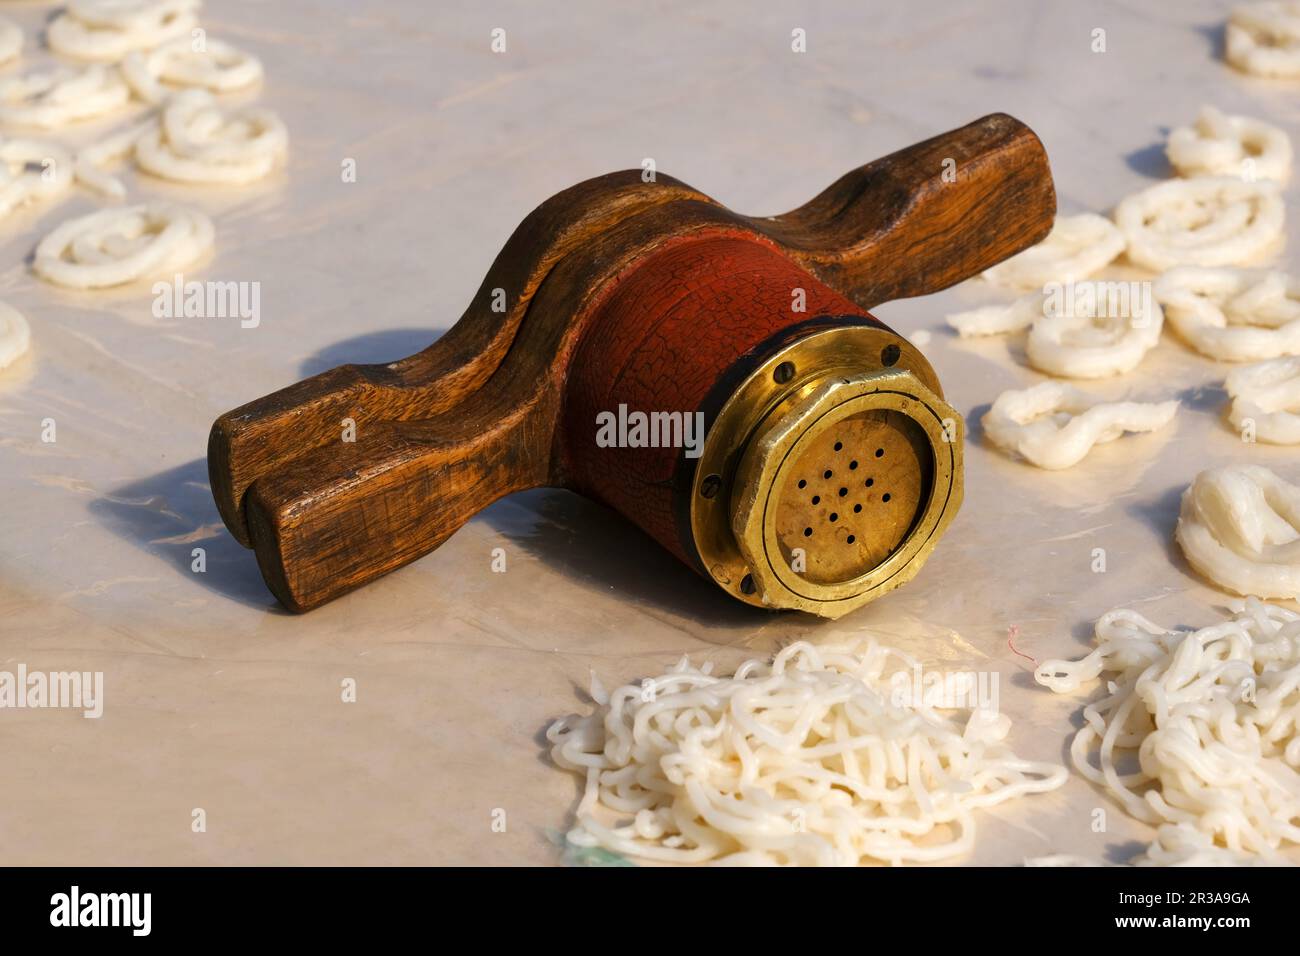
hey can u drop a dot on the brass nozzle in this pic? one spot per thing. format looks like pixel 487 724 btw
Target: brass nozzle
pixel 841 466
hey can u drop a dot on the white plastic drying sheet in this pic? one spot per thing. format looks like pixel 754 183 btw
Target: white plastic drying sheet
pixel 217 700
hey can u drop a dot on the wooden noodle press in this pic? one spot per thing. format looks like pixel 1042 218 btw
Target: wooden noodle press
pixel 830 464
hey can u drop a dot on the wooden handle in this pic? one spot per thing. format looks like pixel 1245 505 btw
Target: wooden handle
pixel 443 433
pixel 927 217
pixel 337 517
pixel 256 439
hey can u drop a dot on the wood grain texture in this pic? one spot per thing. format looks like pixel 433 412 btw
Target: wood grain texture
pixel 443 433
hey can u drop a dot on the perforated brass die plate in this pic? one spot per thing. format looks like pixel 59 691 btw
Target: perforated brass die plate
pixel 856 492
pixel 839 466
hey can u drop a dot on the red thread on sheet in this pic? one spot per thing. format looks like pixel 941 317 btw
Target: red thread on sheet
pixel 1012 632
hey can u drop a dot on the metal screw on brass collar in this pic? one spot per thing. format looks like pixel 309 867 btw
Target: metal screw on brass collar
pixel 840 480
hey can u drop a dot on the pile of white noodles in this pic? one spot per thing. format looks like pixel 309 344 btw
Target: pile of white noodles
pixel 806 760
pixel 1208 720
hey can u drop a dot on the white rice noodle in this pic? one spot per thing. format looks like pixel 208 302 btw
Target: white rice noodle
pixel 51 99
pixel 32 171
pixel 1207 721
pixel 998 319
pixel 807 759
pixel 15 335
pixel 116 246
pixel 1053 425
pixel 1266 400
pixel 1233 315
pixel 1264 39
pixel 1183 844
pixel 1098 331
pixel 197 141
pixel 1240 527
pixel 1076 247
pixel 92 162
pixel 105 31
pixel 213 66
pixel 1222 145
pixel 1206 221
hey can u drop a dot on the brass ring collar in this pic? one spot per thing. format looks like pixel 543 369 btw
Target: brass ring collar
pixel 829 475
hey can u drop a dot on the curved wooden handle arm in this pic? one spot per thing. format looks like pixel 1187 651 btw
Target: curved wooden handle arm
pixel 344 514
pixel 255 439
pixel 926 217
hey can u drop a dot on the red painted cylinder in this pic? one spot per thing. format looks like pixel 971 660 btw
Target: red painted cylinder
pixel 676 334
